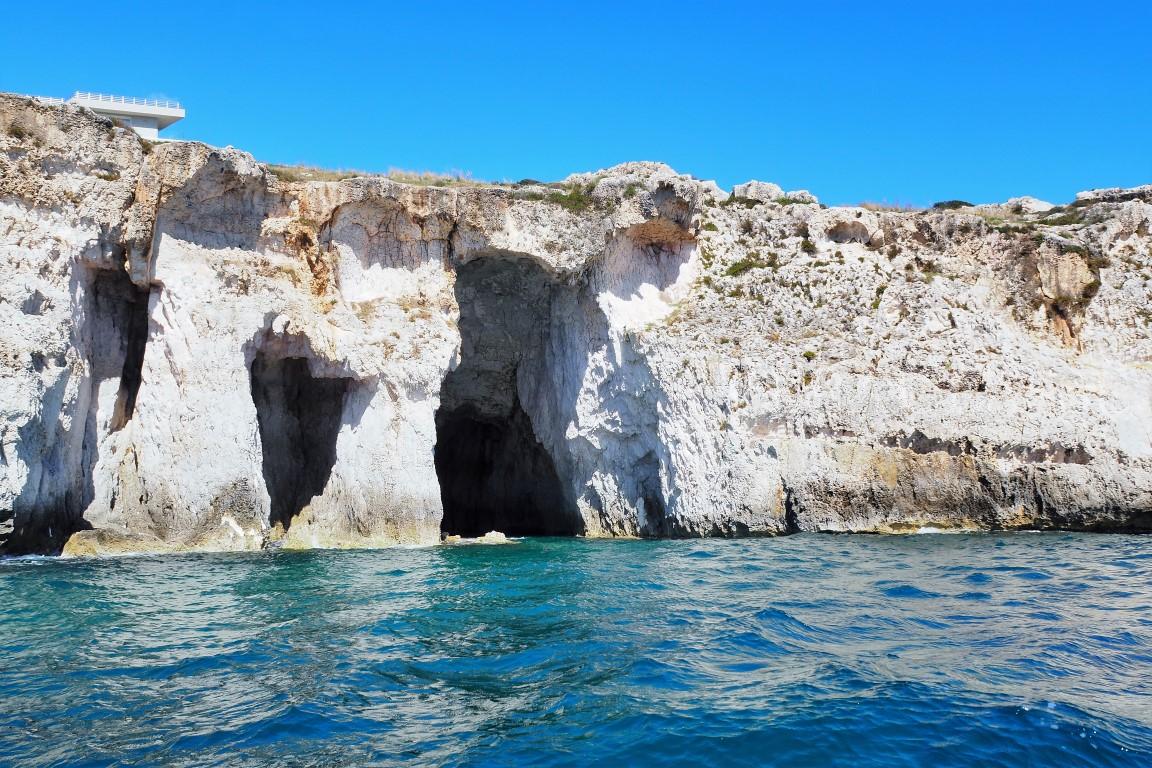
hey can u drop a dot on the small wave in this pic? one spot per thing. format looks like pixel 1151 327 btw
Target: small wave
pixel 907 591
pixel 931 529
pixel 25 559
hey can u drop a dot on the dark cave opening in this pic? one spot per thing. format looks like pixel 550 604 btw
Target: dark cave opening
pixel 494 471
pixel 299 416
pixel 120 337
pixel 495 476
pixel 136 339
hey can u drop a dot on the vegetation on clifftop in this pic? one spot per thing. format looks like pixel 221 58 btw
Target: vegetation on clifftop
pixel 302 173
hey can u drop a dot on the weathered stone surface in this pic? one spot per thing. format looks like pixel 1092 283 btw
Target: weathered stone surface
pixel 763 191
pixel 802 196
pixel 1115 195
pixel 1027 205
pixel 199 355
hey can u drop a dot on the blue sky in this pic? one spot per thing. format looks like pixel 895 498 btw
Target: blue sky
pixel 882 101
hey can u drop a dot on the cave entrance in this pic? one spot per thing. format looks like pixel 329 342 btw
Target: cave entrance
pixel 119 338
pixel 495 472
pixel 299 416
pixel 495 476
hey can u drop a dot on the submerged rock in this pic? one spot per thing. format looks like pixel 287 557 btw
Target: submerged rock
pixel 491 537
pixel 202 354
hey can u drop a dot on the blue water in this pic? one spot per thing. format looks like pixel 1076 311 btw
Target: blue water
pixel 933 650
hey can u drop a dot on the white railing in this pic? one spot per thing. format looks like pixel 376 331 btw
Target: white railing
pixel 103 97
pixel 49 99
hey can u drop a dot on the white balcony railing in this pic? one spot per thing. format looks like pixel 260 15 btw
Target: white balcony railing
pixel 103 97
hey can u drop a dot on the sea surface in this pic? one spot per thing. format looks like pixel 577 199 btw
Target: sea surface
pixel 929 650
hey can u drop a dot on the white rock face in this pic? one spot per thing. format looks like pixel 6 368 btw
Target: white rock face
pixel 761 191
pixel 1028 205
pixel 200 355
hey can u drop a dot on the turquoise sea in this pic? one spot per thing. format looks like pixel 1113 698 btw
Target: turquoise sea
pixel 929 650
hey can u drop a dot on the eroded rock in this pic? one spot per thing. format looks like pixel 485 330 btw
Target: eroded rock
pixel 200 355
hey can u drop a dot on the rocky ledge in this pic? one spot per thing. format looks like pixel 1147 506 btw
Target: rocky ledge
pixel 202 353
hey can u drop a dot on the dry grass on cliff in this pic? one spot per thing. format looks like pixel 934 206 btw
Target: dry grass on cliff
pixel 432 179
pixel 299 173
pixel 293 173
pixel 886 207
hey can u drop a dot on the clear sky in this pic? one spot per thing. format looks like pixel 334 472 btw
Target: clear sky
pixel 907 102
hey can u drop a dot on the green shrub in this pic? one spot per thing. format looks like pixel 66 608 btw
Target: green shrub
pixel 752 261
pixel 951 205
pixel 809 355
pixel 1012 229
pixel 740 268
pixel 577 199
pixel 710 227
pixel 1060 217
pixel 1098 260
pixel 879 295
pixel 747 202
pixel 930 270
pixel 808 246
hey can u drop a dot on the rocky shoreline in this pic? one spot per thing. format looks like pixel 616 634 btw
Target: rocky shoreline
pixel 203 353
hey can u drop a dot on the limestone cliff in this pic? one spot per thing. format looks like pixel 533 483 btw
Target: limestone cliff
pixel 200 354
